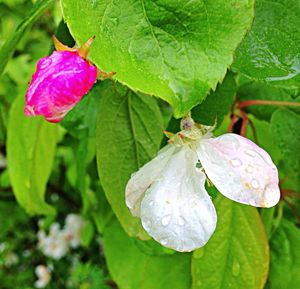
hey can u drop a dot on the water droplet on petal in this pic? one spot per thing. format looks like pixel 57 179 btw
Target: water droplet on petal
pixel 255 184
pixel 236 268
pixel 250 153
pixel 181 221
pixel 164 242
pixel 151 203
pixel 147 224
pixel 249 169
pixel 165 221
pixel 236 162
pixel 270 197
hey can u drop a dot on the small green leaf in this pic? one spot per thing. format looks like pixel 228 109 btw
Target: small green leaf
pixel 131 268
pixel 176 51
pixel 129 132
pixel 286 134
pixel 237 255
pixel 31 145
pixel 271 50
pixel 9 46
pixel 285 257
pixel 217 104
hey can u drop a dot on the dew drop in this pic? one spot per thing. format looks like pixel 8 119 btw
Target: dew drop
pixel 249 169
pixel 165 221
pixel 236 268
pixel 255 184
pixel 147 224
pixel 164 242
pixel 236 162
pixel 181 221
pixel 27 184
pixel 270 196
pixel 151 203
pixel 250 153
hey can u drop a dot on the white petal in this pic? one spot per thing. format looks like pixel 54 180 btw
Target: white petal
pixel 176 210
pixel 144 177
pixel 240 170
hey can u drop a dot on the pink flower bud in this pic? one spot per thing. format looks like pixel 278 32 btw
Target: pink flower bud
pixel 60 81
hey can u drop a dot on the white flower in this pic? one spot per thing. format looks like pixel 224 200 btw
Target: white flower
pixel 54 245
pixel 44 275
pixel 10 259
pixel 169 195
pixel 73 227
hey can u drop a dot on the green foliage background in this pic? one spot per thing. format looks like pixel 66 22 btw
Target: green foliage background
pixel 170 57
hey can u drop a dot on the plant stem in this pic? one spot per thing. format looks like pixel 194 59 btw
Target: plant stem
pixel 267 102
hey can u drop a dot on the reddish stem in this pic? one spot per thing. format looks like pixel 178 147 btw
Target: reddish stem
pixel 244 123
pixel 266 102
pixel 232 122
pixel 253 130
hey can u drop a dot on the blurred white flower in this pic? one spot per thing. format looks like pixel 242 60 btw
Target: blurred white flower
pixel 44 275
pixel 10 259
pixel 54 245
pixel 2 247
pixel 72 229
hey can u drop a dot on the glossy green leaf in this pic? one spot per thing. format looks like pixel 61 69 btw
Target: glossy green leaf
pixel 128 134
pixel 271 51
pixel 217 104
pixel 31 145
pixel 8 47
pixel 265 91
pixel 176 52
pixel 285 130
pixel 237 255
pixel 285 257
pixel 131 268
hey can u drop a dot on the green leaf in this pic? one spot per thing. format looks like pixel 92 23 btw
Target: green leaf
pixel 265 91
pixel 87 233
pixel 237 255
pixel 217 104
pixel 264 138
pixel 9 46
pixel 285 257
pixel 31 145
pixel 271 50
pixel 129 132
pixel 178 51
pixel 286 134
pixel 133 269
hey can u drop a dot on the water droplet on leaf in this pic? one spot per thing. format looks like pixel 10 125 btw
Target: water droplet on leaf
pixel 236 268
